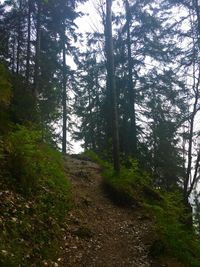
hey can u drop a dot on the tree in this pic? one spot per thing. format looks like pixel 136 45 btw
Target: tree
pixel 111 87
pixel 166 109
pixel 28 52
pixel 33 39
pixel 131 89
pixel 89 100
pixel 64 96
pixel 189 73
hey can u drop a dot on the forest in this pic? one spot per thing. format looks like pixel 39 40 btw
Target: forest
pixel 129 91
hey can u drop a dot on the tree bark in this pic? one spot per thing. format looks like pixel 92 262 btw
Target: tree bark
pixel 188 189
pixel 13 56
pixel 111 87
pixel 64 96
pixel 131 90
pixel 37 49
pixel 19 35
pixel 28 51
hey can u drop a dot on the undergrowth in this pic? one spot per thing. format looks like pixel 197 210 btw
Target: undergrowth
pixel 34 200
pixel 173 244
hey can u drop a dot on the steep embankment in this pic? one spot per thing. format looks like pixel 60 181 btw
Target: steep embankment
pixel 99 232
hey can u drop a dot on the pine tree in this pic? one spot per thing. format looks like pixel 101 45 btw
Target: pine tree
pixel 111 87
pixel 131 89
pixel 89 101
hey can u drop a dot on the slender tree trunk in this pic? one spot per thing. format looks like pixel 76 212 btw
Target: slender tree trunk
pixel 64 96
pixel 37 49
pixel 190 179
pixel 196 6
pixel 189 165
pixel 98 122
pixel 92 124
pixel 111 86
pixel 28 42
pixel 131 90
pixel 13 56
pixel 187 186
pixel 19 36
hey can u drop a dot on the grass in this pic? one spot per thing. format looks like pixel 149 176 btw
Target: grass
pixel 32 220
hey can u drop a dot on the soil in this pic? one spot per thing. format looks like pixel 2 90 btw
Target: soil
pixel 101 233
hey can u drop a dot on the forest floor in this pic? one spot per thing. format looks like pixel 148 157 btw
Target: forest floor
pixel 100 233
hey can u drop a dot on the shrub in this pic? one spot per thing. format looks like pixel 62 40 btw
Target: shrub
pixel 178 241
pixel 24 158
pixel 32 223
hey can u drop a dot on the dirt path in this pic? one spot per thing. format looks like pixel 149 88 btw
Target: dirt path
pixel 100 233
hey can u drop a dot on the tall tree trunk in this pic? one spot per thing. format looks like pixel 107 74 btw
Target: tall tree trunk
pixel 189 187
pixel 131 90
pixel 37 49
pixel 19 35
pixel 196 7
pixel 98 122
pixel 28 41
pixel 64 96
pixel 92 124
pixel 13 56
pixel 111 86
pixel 191 178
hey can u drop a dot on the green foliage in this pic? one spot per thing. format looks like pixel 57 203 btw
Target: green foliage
pixel 197 212
pixel 129 185
pixel 32 230
pixel 93 156
pixel 23 108
pixel 174 243
pixel 30 161
pixel 178 241
pixel 89 99
pixel 24 157
pixel 32 223
pixel 5 98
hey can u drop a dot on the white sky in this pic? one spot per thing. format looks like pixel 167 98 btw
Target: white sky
pixel 87 22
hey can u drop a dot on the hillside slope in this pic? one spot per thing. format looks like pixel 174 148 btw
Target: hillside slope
pixel 99 232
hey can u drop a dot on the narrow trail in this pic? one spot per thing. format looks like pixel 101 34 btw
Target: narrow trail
pixel 100 233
